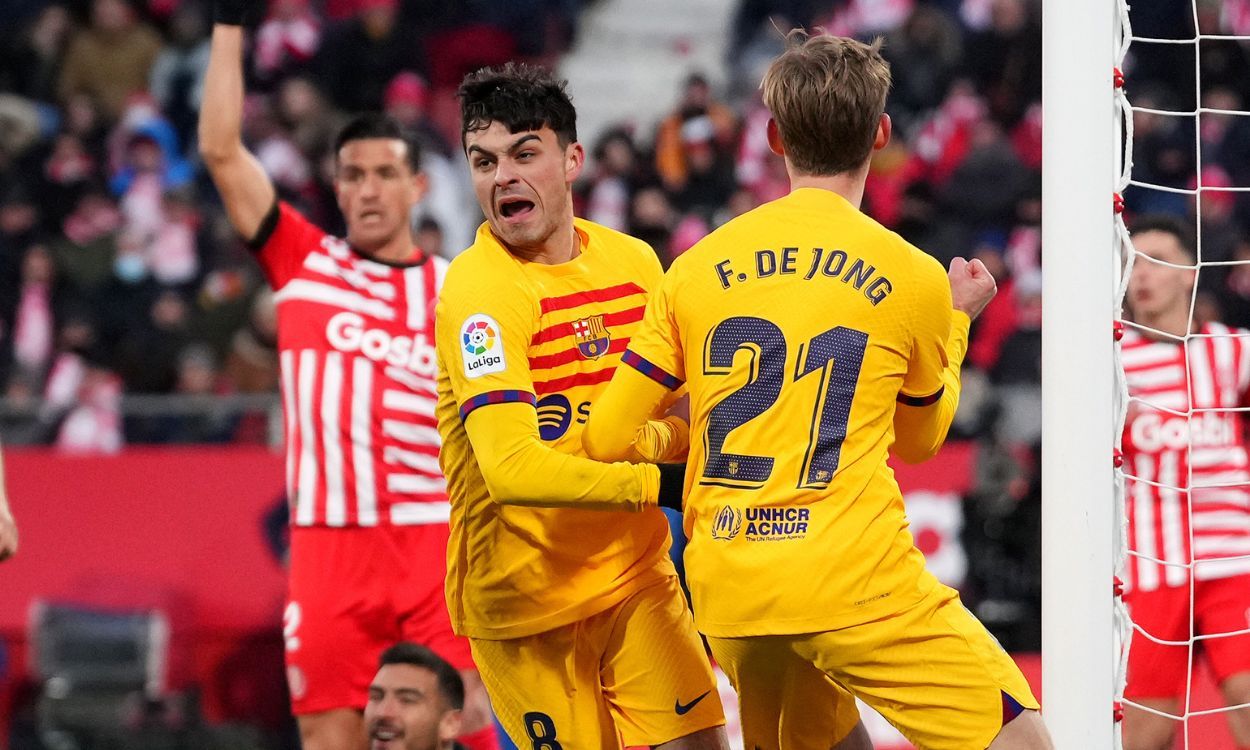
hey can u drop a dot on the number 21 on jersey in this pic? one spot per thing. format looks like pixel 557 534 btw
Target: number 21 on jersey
pixel 836 354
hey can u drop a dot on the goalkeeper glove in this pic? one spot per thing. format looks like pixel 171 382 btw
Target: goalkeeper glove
pixel 234 12
pixel 672 484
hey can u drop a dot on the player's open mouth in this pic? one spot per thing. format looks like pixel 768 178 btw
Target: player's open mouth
pixel 383 735
pixel 371 215
pixel 515 209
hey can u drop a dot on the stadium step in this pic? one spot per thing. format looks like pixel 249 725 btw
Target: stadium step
pixel 632 56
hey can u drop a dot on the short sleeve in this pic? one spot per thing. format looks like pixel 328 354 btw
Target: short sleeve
pixel 483 333
pixel 655 350
pixel 931 326
pixel 290 240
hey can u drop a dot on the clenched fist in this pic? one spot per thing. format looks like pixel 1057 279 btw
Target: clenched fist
pixel 972 286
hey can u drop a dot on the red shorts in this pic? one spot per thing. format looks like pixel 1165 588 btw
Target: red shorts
pixel 354 592
pixel 1222 605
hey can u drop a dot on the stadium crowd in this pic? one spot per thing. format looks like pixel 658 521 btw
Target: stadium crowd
pixel 119 274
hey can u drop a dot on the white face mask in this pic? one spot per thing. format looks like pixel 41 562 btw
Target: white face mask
pixel 130 268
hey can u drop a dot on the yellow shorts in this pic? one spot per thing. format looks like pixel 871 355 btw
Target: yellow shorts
pixel 636 674
pixel 932 670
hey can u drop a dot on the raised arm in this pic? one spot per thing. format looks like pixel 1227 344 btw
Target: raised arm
pixel 246 191
pixel 921 421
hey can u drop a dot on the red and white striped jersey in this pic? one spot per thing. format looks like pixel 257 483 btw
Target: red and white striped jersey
pixel 355 341
pixel 1169 453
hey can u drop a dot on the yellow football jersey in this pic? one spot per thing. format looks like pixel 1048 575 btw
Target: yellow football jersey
pixel 509 330
pixel 796 327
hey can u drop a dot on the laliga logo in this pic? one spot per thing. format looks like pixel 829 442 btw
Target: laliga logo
pixel 346 332
pixel 481 346
pixel 726 523
pixel 479 337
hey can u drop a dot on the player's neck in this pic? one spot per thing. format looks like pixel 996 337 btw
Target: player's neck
pixel 849 185
pixel 1174 322
pixel 562 246
pixel 399 250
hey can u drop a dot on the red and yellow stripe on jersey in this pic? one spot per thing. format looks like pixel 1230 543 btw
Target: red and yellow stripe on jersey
pixel 798 327
pixel 510 331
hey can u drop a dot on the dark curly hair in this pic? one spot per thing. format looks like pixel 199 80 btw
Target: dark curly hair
pixel 521 97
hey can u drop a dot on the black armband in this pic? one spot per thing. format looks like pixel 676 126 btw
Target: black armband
pixel 265 230
pixel 672 485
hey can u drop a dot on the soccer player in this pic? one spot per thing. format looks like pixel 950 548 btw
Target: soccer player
pixel 415 701
pixel 576 619
pixel 812 341
pixel 369 515
pixel 1189 480
pixel 8 527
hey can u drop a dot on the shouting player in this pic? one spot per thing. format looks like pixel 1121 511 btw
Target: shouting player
pixel 576 619
pixel 1189 479
pixel 811 339
pixel 370 510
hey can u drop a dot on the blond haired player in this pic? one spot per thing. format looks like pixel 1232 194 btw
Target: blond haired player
pixel 812 341
pixel 575 617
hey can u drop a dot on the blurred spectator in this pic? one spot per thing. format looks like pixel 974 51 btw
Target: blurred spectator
pixel 252 362
pixel 407 99
pixel 31 65
pixel 178 73
pixel 708 178
pixel 148 354
pixel 613 177
pixel 287 40
pixel 983 190
pixel 652 219
pixel 1005 60
pixel 1020 357
pixel 88 244
pixel 999 320
pixel 111 59
pixel 924 56
pixel 19 128
pixel 357 60
pixel 867 18
pixel 306 115
pixel 429 237
pixel 717 125
pixel 34 322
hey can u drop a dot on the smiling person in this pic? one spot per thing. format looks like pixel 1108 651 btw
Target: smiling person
pixel 576 619
pixel 369 507
pixel 415 701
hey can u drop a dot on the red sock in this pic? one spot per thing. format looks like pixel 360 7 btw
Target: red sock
pixel 483 739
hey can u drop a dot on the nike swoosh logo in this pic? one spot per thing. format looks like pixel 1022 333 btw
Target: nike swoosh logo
pixel 683 709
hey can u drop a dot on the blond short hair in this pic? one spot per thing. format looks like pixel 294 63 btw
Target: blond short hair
pixel 827 94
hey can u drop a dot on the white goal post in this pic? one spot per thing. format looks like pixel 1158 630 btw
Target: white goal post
pixel 1079 250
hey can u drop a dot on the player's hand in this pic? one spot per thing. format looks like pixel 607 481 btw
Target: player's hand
pixel 8 535
pixel 234 12
pixel 972 286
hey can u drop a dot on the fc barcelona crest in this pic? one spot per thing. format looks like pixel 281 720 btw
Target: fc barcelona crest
pixel 592 336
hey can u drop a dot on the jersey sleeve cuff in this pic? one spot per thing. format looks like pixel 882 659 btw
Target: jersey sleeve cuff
pixel 264 232
pixel 495 397
pixel 651 370
pixel 929 400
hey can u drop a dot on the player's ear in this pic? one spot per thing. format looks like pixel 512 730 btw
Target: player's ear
pixel 449 726
pixel 420 186
pixel 574 161
pixel 774 138
pixel 884 130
